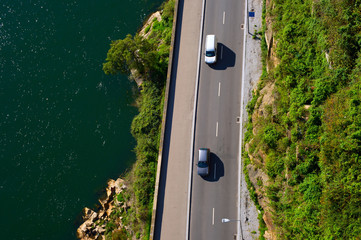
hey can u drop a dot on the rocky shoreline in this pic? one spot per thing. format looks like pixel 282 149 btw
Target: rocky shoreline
pixel 94 225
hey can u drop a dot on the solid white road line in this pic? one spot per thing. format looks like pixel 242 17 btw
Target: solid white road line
pixel 193 123
pixel 240 170
pixel 224 17
pixel 217 129
pixel 219 89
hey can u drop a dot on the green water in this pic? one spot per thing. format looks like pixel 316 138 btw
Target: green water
pixel 64 124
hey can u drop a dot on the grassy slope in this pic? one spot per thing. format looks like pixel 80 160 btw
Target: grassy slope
pixel 313 153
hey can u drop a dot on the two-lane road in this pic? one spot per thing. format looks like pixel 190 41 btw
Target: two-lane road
pixel 218 108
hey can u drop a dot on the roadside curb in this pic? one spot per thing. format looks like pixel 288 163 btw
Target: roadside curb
pixel 164 120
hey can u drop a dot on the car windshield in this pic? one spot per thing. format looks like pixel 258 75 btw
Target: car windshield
pixel 202 164
pixel 210 53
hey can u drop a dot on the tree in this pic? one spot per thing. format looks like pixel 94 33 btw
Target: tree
pixel 121 56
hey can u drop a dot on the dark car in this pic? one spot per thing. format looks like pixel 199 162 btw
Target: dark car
pixel 203 162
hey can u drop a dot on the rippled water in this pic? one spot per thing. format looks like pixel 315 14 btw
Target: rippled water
pixel 64 125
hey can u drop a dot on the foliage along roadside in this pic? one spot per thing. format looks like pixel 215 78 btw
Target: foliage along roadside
pixel 149 57
pixel 311 132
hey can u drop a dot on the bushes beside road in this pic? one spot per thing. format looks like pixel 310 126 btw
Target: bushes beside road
pixel 307 139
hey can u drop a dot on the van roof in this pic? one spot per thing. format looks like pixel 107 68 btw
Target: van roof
pixel 210 42
pixel 210 37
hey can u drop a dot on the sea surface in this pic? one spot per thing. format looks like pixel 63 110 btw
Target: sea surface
pixel 64 124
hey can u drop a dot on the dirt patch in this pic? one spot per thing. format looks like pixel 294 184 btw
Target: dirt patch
pixel 265 100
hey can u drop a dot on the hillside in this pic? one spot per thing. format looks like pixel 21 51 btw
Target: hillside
pixel 303 144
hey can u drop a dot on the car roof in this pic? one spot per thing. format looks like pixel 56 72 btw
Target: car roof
pixel 203 154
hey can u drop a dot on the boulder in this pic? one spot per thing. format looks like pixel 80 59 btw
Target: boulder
pixel 89 214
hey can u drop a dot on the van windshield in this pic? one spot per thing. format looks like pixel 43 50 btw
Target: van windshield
pixel 210 53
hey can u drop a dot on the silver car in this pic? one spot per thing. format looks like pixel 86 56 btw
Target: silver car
pixel 203 162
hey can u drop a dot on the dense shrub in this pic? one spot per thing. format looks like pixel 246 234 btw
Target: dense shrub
pixel 313 152
pixel 270 136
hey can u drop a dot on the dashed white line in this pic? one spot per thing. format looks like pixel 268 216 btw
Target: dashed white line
pixel 219 89
pixel 224 17
pixel 217 129
pixel 213 217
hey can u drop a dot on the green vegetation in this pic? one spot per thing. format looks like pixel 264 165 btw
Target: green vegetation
pixel 311 132
pixel 149 57
pixel 119 235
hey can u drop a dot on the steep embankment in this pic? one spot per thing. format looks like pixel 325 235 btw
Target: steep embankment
pixel 304 136
pixel 127 208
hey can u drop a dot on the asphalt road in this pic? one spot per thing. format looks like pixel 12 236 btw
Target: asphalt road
pixel 215 197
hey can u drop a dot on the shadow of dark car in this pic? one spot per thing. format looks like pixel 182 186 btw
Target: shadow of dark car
pixel 225 58
pixel 216 169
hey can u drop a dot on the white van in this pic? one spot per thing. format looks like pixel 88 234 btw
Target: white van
pixel 211 49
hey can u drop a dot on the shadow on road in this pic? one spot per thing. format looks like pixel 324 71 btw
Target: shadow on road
pixel 225 58
pixel 168 127
pixel 216 169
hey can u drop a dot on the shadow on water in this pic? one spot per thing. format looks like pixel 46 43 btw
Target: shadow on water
pixel 225 58
pixel 216 170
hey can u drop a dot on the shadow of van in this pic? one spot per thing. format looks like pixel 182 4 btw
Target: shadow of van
pixel 225 58
pixel 216 169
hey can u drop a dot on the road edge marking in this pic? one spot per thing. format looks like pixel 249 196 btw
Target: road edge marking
pixel 194 121
pixel 240 170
